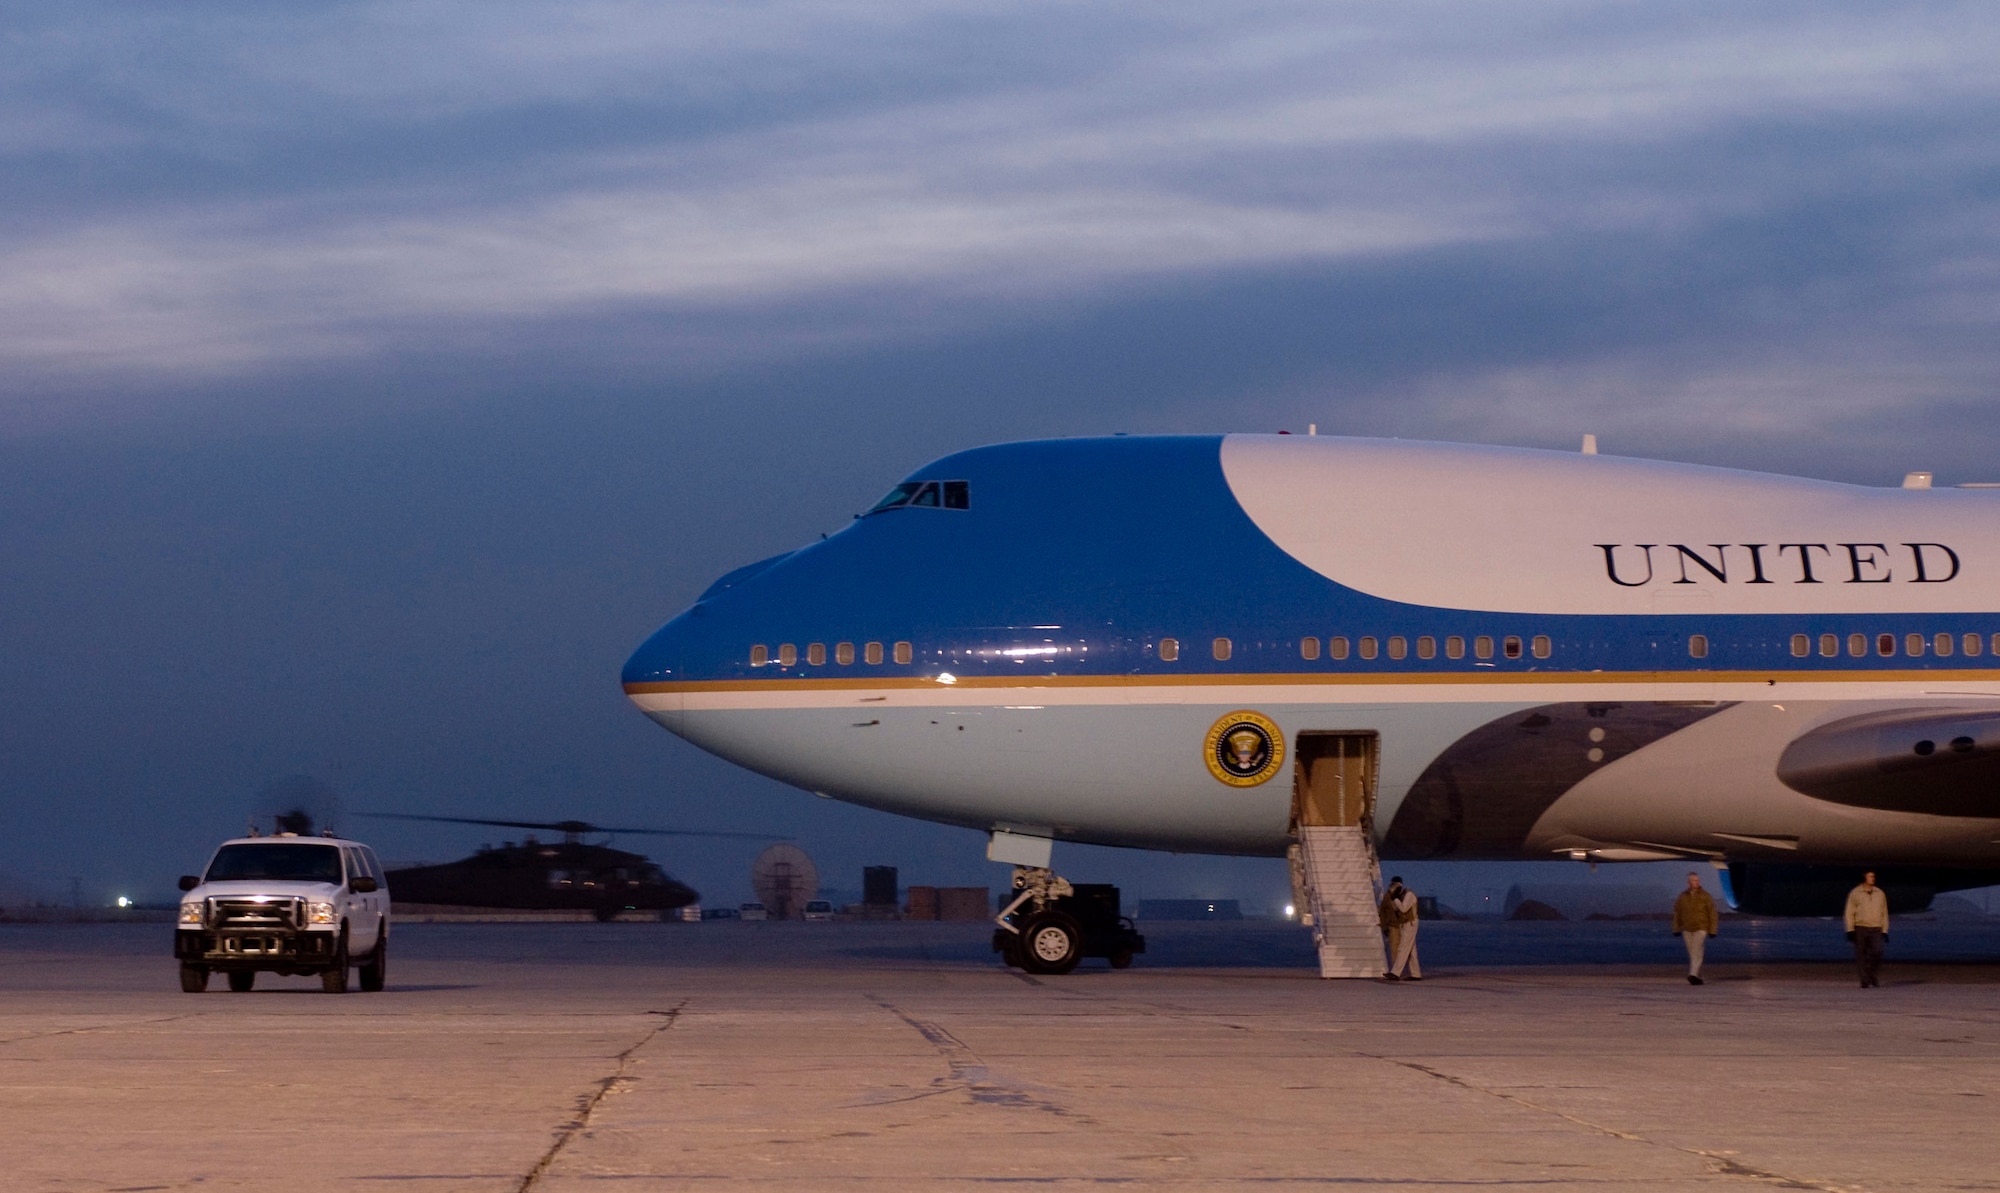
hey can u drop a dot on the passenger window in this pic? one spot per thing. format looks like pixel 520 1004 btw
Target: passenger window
pixel 1996 644
pixel 1697 646
pixel 1368 650
pixel 816 654
pixel 1829 645
pixel 1454 646
pixel 1941 646
pixel 1972 643
pixel 872 653
pixel 1542 646
pixel 1170 650
pixel 1397 646
pixel 1885 645
pixel 787 655
pixel 759 655
pixel 1427 647
pixel 1857 645
pixel 1308 648
pixel 1220 648
pixel 1337 647
pixel 843 653
pixel 903 652
pixel 1511 647
pixel 1801 646
pixel 957 495
pixel 374 866
pixel 1482 646
pixel 1913 645
pixel 926 496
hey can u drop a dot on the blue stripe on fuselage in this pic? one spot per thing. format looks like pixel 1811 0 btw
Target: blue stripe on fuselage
pixel 1079 555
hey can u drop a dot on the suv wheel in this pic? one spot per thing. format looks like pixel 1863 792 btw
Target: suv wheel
pixel 334 980
pixel 376 969
pixel 194 978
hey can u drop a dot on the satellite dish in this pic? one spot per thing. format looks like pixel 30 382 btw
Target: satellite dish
pixel 784 879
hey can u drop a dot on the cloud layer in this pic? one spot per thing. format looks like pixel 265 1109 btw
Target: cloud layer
pixel 203 197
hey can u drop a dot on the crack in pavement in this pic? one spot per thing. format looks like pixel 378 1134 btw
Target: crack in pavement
pixel 1723 1164
pixel 587 1105
pixel 968 1073
pixel 78 1031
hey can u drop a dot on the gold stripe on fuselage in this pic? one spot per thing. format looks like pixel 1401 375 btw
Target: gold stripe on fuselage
pixel 1300 679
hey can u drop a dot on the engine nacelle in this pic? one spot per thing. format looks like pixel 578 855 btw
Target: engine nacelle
pixel 1765 888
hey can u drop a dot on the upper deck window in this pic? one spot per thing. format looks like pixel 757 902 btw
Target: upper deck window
pixel 951 495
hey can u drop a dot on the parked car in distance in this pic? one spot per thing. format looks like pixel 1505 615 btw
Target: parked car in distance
pixel 753 911
pixel 819 911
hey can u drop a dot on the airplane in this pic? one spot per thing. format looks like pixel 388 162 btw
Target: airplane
pixel 1500 653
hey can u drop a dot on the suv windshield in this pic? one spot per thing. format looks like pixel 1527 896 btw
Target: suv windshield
pixel 293 863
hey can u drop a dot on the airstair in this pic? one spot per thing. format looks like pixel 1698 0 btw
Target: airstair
pixel 1335 871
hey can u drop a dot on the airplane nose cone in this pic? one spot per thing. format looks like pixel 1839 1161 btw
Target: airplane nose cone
pixel 655 672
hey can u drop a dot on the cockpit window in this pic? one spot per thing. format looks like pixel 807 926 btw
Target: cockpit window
pixel 898 496
pixel 951 495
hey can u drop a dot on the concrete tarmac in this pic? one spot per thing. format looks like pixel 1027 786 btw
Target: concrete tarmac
pixel 563 1057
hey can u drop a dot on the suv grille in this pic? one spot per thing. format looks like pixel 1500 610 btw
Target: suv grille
pixel 256 913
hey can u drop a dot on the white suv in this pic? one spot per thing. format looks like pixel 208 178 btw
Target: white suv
pixel 287 904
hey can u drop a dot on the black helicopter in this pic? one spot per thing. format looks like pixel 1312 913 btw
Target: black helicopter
pixel 567 875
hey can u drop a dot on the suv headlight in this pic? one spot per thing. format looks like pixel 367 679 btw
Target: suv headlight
pixel 190 913
pixel 319 913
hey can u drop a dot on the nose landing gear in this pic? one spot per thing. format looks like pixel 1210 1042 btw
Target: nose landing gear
pixel 1052 924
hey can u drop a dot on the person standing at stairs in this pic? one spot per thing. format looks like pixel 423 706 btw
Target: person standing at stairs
pixel 1385 913
pixel 1695 921
pixel 1399 914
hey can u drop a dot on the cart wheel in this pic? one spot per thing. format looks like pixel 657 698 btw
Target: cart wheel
pixel 194 978
pixel 240 980
pixel 1051 943
pixel 1122 959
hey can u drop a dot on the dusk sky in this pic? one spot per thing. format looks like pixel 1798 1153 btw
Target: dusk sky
pixel 374 377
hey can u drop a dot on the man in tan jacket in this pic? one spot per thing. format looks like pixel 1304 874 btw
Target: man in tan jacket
pixel 1695 921
pixel 1868 927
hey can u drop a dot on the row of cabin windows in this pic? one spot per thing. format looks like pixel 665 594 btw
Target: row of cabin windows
pixel 1396 646
pixel 843 653
pixel 1915 645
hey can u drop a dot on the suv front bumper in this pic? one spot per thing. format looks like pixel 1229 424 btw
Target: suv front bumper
pixel 255 948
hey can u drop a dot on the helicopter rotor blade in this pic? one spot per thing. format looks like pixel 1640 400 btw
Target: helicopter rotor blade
pixel 570 826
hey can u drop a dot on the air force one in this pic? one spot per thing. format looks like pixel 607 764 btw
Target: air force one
pixel 1217 644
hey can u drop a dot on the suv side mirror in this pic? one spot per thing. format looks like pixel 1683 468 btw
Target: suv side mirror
pixel 363 885
pixel 189 882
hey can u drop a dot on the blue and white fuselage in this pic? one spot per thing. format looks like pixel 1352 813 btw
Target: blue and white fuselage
pixel 1559 654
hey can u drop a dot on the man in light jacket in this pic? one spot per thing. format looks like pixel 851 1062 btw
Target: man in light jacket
pixel 1868 927
pixel 1695 921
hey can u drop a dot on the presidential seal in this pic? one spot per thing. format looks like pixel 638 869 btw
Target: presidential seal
pixel 1244 749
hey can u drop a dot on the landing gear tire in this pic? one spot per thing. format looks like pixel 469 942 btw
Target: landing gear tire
pixel 241 980
pixel 334 980
pixel 375 970
pixel 1012 954
pixel 1051 943
pixel 194 978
